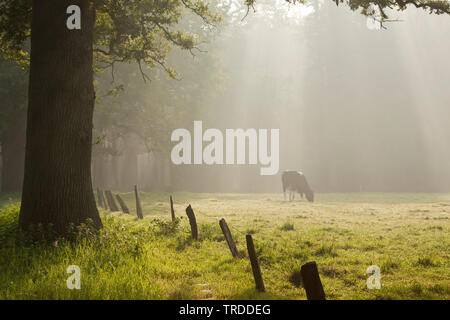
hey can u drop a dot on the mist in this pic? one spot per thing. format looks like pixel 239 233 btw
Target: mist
pixel 359 108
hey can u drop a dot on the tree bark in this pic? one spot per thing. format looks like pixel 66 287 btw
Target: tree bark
pixel 13 154
pixel 57 186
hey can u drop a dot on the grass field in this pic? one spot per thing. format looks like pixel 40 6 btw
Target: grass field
pixel 406 235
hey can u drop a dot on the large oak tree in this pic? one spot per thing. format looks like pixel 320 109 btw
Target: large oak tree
pixel 57 188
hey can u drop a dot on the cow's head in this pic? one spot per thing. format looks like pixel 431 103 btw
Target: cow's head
pixel 310 195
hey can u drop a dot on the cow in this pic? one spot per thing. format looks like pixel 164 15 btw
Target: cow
pixel 294 181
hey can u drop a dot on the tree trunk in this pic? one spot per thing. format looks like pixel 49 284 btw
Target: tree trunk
pixel 13 154
pixel 57 186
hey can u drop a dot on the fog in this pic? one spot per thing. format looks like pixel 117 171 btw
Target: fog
pixel 359 108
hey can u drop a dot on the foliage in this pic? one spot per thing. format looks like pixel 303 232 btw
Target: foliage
pixel 141 31
pixel 368 7
pixel 15 24
pixel 376 9
pixel 125 31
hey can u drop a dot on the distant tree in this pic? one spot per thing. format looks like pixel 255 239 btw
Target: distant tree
pixel 136 117
pixel 13 97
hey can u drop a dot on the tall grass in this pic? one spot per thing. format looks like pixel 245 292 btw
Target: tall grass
pixel 155 258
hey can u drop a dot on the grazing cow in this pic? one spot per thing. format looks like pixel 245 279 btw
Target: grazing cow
pixel 294 181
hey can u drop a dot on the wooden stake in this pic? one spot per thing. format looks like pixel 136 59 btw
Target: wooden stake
pixel 172 212
pixel 229 238
pixel 122 204
pixel 255 264
pixel 138 203
pixel 192 222
pixel 111 203
pixel 311 282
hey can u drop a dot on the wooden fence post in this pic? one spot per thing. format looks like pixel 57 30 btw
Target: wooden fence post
pixel 138 203
pixel 255 264
pixel 311 282
pixel 229 238
pixel 192 222
pixel 172 212
pixel 122 204
pixel 111 203
pixel 100 198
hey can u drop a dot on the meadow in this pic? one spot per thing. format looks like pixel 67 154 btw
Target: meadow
pixel 406 235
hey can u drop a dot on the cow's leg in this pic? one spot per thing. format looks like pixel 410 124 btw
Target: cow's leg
pixel 293 196
pixel 301 194
pixel 284 192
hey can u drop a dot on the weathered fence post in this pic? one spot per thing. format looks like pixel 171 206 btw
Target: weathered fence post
pixel 311 282
pixel 138 203
pixel 255 264
pixel 100 197
pixel 172 212
pixel 122 204
pixel 192 222
pixel 229 238
pixel 111 203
